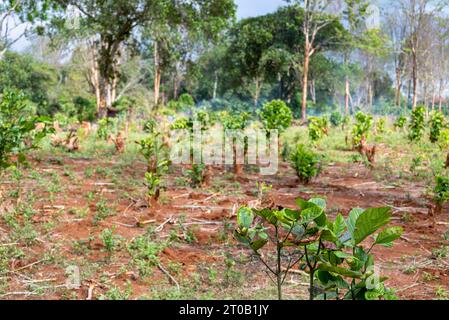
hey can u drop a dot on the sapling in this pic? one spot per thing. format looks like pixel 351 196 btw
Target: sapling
pixel 198 175
pixel 381 126
pixel 417 124
pixel 332 252
pixel 440 196
pixel 20 130
pixel 276 227
pixel 276 115
pixel 318 128
pixel 400 123
pixel 156 154
pixel 236 122
pixel 361 128
pixel 436 125
pixel 336 119
pixel 306 163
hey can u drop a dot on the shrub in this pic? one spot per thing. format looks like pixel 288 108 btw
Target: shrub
pixel 443 139
pixel 336 119
pixel 306 163
pixel 417 124
pixel 185 100
pixel 361 128
pixel 318 128
pixel 105 128
pixel 380 126
pixel 85 109
pixel 436 125
pixel 332 253
pixel 182 124
pixel 276 115
pixel 18 128
pixel 440 193
pixel 156 154
pixel 400 123
pixel 197 175
pixel 150 126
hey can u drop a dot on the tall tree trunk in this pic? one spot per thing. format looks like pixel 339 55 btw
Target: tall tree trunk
pixel 214 94
pixel 305 81
pixel 398 87
pixel 257 90
pixel 313 91
pixel 434 95
pixel 440 96
pixel 415 81
pixel 157 75
pixel 347 83
pixel 347 95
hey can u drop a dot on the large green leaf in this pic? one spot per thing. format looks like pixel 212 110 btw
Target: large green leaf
pixel 339 226
pixel 245 217
pixel 310 214
pixel 352 219
pixel 341 271
pixel 319 202
pixel 389 235
pixel 258 244
pixel 369 222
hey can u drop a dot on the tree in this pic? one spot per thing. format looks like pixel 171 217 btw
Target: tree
pixel 353 15
pixel 110 24
pixel 11 28
pixel 418 14
pixel 315 22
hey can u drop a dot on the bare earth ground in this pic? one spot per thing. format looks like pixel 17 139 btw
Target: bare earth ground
pixel 73 202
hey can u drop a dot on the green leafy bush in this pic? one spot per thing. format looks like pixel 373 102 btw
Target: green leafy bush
pixel 197 175
pixel 381 125
pixel 443 139
pixel 306 163
pixel 182 124
pixel 436 125
pixel 276 115
pixel 333 253
pixel 106 127
pixel 361 128
pixel 417 124
pixel 318 128
pixel 150 126
pixel 156 154
pixel 18 128
pixel 400 123
pixel 336 119
pixel 440 193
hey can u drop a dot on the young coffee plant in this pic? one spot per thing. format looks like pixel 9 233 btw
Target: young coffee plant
pixel 361 129
pixel 105 128
pixel 154 150
pixel 20 130
pixel 150 126
pixel 237 122
pixel 156 154
pixel 381 126
pixel 333 253
pixel 276 115
pixel 153 182
pixel 318 128
pixel 336 119
pixel 436 125
pixel 440 196
pixel 400 123
pixel 417 124
pixel 198 175
pixel 306 163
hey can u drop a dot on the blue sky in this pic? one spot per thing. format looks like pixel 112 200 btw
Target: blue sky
pixel 252 8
